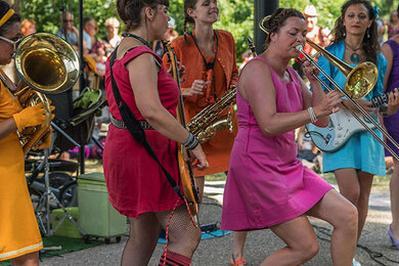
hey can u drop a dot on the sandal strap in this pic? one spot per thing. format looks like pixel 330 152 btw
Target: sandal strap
pixel 238 261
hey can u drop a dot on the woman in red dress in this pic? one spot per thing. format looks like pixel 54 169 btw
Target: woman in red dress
pixel 137 186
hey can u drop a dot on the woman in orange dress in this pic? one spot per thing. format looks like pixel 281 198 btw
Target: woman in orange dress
pixel 20 238
pixel 208 69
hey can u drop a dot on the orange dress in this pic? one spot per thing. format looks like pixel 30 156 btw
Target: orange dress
pixel 224 76
pixel 19 233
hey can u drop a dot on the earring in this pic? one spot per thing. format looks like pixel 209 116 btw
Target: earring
pixel 368 33
pixel 344 34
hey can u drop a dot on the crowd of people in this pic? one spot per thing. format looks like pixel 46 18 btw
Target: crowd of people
pixel 269 158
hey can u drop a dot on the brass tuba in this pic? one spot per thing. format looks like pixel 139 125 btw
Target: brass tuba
pixel 46 64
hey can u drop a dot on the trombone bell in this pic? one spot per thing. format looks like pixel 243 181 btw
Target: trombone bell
pixel 360 79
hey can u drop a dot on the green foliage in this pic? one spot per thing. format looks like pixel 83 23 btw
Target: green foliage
pixel 236 16
pixel 47 13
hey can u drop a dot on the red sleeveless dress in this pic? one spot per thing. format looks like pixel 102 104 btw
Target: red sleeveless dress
pixel 135 182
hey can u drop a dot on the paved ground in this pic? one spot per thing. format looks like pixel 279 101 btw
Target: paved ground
pixel 373 243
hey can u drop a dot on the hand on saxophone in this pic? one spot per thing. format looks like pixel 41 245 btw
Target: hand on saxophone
pixel 30 116
pixel 199 155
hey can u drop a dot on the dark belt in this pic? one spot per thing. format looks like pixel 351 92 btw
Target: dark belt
pixel 120 124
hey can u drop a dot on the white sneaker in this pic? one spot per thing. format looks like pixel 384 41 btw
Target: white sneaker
pixel 356 263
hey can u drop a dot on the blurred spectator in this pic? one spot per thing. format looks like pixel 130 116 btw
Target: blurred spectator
pixel 313 30
pixel 325 37
pixel 169 35
pixel 380 30
pixel 89 33
pixel 113 39
pixel 393 26
pixel 314 33
pixel 307 151
pixel 245 56
pixel 68 31
pixel 28 27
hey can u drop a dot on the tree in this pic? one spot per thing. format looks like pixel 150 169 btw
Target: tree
pixel 236 16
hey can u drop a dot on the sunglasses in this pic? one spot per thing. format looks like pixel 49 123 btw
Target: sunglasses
pixel 14 42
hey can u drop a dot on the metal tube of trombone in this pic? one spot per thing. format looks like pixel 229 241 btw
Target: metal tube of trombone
pixel 353 75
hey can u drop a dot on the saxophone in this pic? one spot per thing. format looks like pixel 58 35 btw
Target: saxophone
pixel 209 120
pixel 45 64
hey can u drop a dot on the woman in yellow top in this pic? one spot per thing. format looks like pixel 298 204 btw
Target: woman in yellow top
pixel 20 238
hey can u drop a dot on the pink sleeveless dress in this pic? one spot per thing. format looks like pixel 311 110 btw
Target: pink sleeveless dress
pixel 267 185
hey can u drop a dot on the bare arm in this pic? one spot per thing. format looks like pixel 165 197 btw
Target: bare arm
pixel 257 87
pixel 143 79
pixel 313 99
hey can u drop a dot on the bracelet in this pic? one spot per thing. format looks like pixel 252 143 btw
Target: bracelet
pixel 189 139
pixel 312 115
pixel 191 142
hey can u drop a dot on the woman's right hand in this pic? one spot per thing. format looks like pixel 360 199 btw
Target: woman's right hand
pixel 329 104
pixel 30 116
pixel 197 88
pixel 200 156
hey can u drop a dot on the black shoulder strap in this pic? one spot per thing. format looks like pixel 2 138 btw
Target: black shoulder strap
pixel 134 126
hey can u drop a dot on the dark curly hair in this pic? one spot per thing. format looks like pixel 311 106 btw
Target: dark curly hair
pixel 129 10
pixel 370 40
pixel 276 21
pixel 4 7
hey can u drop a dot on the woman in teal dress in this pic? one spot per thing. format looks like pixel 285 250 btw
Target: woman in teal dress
pixel 362 157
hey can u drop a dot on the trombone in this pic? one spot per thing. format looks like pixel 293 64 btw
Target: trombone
pixel 361 79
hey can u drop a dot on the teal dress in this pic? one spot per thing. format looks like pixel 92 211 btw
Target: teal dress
pixel 361 151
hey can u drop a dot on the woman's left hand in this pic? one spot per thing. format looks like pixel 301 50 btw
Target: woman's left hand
pixel 393 102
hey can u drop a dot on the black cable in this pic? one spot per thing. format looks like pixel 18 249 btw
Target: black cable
pixel 374 255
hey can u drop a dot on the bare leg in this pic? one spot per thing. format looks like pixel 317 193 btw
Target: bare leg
pixel 301 243
pixel 342 215
pixel 394 188
pixel 200 182
pixel 184 237
pixel 239 243
pixel 144 232
pixel 349 186
pixel 365 181
pixel 31 259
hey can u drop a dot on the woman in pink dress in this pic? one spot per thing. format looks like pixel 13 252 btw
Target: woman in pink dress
pixel 267 186
pixel 137 186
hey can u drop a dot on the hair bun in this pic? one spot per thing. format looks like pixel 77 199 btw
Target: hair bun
pixel 264 24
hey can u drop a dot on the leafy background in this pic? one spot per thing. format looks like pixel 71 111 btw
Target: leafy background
pixel 236 15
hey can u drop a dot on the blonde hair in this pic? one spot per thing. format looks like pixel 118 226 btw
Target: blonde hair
pixel 113 22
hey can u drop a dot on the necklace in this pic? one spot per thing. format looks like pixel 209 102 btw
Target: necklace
pixel 134 36
pixel 207 65
pixel 354 57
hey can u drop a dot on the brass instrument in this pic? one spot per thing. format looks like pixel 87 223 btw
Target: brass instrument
pixel 361 79
pixel 208 121
pixel 205 124
pixel 45 64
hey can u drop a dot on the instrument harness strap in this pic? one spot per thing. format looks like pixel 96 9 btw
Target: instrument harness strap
pixel 135 128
